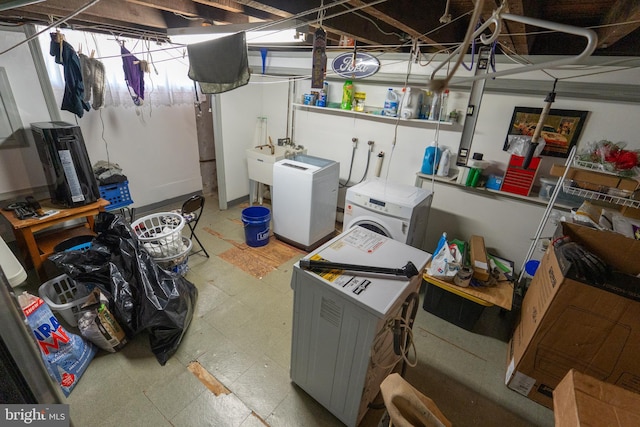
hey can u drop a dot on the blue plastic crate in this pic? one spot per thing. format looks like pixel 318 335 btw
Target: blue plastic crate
pixel 77 243
pixel 116 194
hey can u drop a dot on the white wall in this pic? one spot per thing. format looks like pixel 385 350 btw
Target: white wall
pixel 157 151
pixel 239 113
pixel 507 225
pixel 20 168
pixel 156 145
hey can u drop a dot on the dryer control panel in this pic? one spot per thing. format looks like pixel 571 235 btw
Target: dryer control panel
pixel 386 207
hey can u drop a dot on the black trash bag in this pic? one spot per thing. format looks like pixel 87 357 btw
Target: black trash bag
pixel 145 297
pixel 94 267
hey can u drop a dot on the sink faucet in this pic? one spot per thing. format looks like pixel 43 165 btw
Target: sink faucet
pixel 273 148
pixel 270 145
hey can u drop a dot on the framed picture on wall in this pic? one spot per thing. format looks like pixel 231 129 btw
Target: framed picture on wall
pixel 560 131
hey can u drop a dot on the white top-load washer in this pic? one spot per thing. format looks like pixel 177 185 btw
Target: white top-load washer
pixel 305 200
pixel 394 210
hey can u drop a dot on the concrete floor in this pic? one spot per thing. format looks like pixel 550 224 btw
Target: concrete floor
pixel 241 335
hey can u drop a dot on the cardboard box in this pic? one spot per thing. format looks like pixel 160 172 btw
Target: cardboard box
pixel 479 260
pixel 581 400
pixel 594 180
pixel 568 324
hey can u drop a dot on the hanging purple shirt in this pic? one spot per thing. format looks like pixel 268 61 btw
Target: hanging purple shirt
pixel 133 75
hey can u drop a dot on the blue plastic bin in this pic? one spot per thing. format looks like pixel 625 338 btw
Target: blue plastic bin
pixel 116 194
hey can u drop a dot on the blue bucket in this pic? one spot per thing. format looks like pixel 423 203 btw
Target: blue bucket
pixel 531 267
pixel 256 225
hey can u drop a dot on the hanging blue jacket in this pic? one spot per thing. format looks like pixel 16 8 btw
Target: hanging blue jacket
pixel 73 99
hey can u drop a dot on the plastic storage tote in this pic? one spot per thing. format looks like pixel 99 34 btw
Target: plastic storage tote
pixel 65 297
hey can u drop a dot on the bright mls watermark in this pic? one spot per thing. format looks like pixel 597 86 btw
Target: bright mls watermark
pixel 52 415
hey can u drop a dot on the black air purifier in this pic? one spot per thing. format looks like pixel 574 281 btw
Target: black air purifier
pixel 66 164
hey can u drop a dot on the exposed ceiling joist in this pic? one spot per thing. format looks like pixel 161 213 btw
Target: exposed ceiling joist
pixel 114 10
pixel 181 7
pixel 622 11
pixel 266 8
pixel 408 17
pixel 228 5
pixel 516 40
pixel 388 23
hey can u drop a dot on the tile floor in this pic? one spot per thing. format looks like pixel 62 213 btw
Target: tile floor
pixel 241 334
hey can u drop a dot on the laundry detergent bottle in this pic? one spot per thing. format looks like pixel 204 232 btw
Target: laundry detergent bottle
pixel 431 158
pixel 347 95
pixel 390 104
pixel 443 166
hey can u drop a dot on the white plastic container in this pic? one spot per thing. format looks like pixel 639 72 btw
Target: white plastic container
pixel 443 166
pixel 11 267
pixel 411 102
pixel 390 104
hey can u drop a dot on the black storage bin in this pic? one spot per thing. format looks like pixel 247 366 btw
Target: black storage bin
pixel 457 309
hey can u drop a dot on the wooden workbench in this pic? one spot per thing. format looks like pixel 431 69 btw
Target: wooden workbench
pixel 36 244
pixel 501 294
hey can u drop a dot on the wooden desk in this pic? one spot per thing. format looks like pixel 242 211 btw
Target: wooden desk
pixel 37 248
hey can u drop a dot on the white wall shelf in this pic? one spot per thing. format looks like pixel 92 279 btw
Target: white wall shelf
pixel 595 195
pixel 422 178
pixel 369 115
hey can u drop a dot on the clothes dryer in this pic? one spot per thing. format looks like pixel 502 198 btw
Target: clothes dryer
pixel 346 330
pixel 394 210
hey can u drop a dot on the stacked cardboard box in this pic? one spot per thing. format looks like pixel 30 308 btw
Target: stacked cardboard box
pixel 567 324
pixel 581 400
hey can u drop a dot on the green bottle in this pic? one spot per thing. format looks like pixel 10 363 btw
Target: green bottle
pixel 347 95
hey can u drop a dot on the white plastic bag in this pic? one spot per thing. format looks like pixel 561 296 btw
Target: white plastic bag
pixel 446 261
pixel 519 145
pixel 98 325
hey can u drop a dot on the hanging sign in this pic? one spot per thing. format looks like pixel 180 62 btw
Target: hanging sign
pixel 319 66
pixel 365 65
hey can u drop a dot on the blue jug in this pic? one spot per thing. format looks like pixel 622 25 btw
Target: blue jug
pixel 431 159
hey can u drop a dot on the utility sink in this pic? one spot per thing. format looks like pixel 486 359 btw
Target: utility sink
pixel 260 160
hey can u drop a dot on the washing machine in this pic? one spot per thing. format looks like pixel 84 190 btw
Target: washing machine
pixel 394 210
pixel 345 339
pixel 305 200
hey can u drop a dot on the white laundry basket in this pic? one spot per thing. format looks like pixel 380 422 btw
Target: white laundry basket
pixel 160 234
pixel 178 263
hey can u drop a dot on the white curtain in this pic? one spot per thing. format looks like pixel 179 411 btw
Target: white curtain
pixel 167 83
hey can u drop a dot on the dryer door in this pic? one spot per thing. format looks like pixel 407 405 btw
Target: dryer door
pixel 374 226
